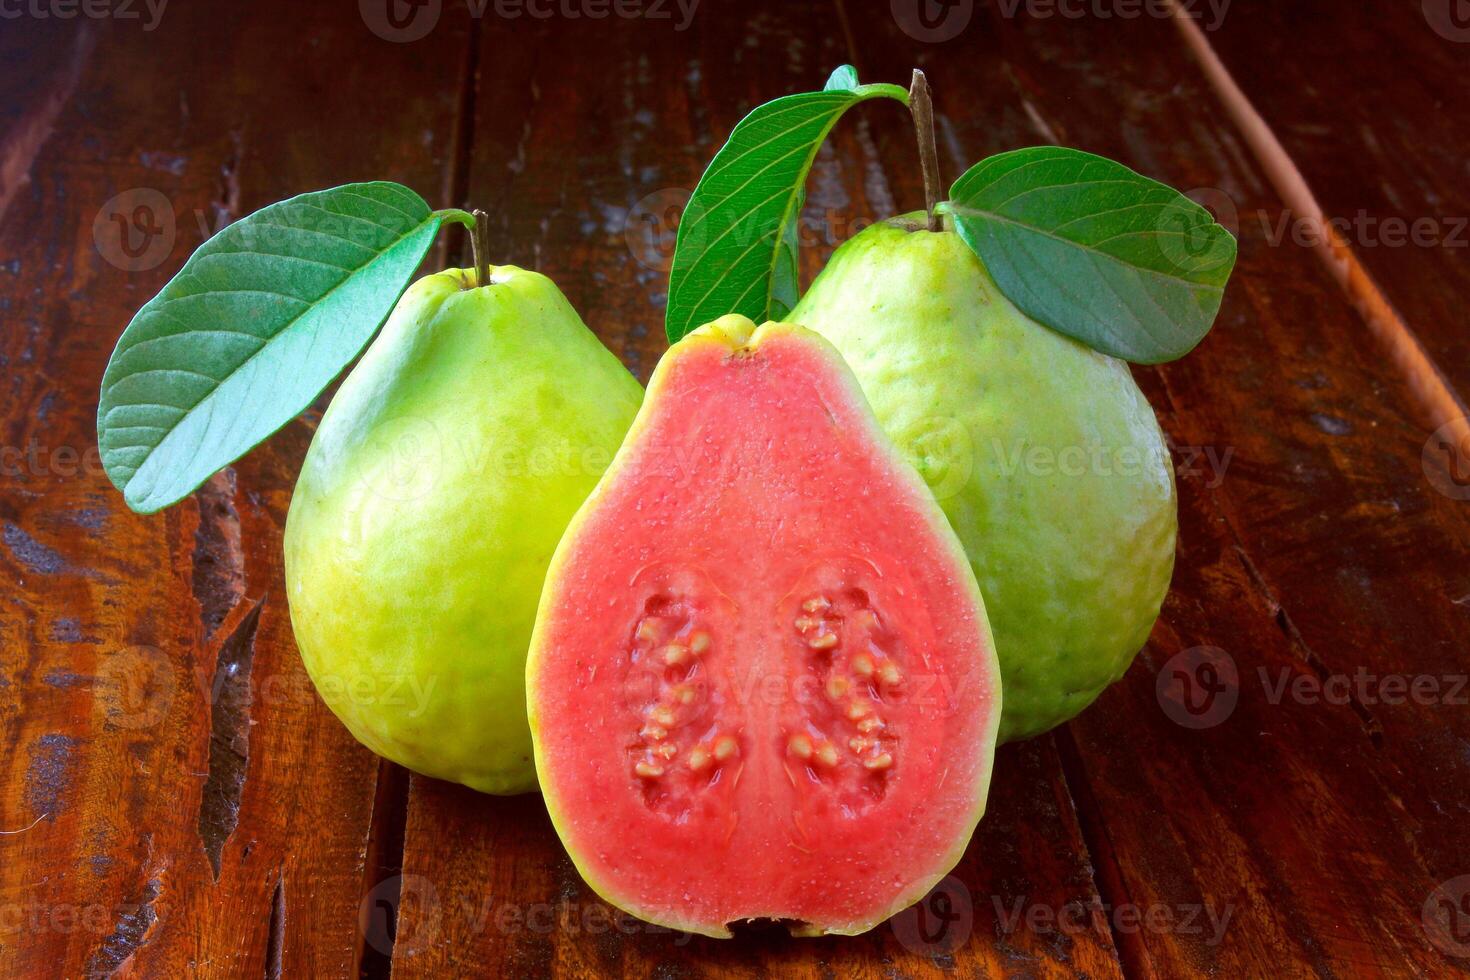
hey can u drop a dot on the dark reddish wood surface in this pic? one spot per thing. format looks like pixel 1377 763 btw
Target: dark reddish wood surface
pixel 1382 140
pixel 122 760
pixel 1311 558
pixel 174 799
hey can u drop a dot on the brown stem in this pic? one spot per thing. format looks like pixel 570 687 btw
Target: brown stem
pixel 922 108
pixel 480 247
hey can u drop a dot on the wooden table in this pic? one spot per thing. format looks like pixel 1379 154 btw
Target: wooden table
pixel 174 798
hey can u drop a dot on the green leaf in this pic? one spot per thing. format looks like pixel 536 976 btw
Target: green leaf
pixel 843 78
pixel 255 325
pixel 1125 264
pixel 736 251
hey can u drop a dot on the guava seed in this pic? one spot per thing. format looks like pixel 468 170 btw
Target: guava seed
pixel 800 746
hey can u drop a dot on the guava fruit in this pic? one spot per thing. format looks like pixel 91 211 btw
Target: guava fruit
pixel 761 683
pixel 434 492
pixel 1043 453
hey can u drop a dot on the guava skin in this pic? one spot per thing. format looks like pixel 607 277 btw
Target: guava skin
pixel 433 495
pixel 1043 453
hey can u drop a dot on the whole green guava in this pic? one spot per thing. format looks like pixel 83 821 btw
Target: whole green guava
pixel 427 510
pixel 1043 453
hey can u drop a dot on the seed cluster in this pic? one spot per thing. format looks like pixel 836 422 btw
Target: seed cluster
pixel 674 647
pixel 845 636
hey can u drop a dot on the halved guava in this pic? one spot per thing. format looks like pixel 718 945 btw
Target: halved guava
pixel 761 683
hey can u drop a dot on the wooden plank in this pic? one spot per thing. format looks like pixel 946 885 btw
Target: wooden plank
pixel 1383 148
pixel 619 114
pixel 154 714
pixel 488 888
pixel 1318 828
pixel 1321 829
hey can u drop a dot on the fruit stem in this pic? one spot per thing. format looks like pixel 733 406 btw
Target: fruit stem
pixel 480 247
pixel 455 215
pixel 922 108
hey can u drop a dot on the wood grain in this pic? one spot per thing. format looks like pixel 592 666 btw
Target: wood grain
pixel 1306 558
pixel 176 801
pixel 155 715
pixel 1381 149
pixel 564 173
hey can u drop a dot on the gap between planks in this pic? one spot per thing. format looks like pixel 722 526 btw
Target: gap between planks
pixel 1430 391
pixel 1129 946
pixel 456 187
pixel 1430 388
pixel 1106 877
pixel 387 828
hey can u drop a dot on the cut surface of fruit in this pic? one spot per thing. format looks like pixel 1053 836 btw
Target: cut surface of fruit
pixel 761 683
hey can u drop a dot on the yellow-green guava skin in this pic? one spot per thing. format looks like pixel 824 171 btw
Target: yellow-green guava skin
pixel 1043 453
pixel 435 491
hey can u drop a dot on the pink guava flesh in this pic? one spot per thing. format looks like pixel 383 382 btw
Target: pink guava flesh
pixel 761 684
